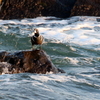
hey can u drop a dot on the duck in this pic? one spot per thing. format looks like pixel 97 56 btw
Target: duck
pixel 36 39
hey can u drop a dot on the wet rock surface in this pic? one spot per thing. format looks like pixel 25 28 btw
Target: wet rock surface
pixel 36 61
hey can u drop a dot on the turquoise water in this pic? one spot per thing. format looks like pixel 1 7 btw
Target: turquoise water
pixel 73 45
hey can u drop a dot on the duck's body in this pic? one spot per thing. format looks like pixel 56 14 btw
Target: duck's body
pixel 36 39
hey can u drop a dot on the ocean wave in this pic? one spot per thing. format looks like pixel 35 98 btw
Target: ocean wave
pixel 83 30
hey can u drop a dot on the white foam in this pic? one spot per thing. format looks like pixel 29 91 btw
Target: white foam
pixel 51 77
pixel 40 80
pixel 74 61
pixel 81 31
pixel 4 66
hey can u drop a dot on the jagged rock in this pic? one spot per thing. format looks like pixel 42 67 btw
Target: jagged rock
pixel 86 8
pixel 36 61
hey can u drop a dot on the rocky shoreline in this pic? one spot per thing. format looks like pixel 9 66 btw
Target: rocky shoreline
pixel 16 9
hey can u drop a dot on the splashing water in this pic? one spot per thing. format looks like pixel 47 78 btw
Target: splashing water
pixel 73 45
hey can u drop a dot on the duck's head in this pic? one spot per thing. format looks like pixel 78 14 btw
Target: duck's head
pixel 36 32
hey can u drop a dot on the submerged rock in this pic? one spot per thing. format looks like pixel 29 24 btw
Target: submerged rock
pixel 36 61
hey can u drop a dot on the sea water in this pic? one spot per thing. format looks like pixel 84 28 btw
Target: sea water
pixel 73 44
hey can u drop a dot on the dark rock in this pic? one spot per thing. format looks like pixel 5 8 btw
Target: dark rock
pixel 86 8
pixel 57 8
pixel 17 9
pixel 36 61
pixel 98 19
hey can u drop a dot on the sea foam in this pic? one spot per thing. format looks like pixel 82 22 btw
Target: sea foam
pixel 77 30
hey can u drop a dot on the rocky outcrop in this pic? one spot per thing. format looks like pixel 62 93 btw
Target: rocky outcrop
pixel 15 9
pixel 86 8
pixel 36 61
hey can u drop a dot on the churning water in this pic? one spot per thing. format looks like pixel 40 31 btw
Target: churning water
pixel 73 45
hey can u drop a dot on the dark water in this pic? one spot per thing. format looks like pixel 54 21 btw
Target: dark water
pixel 73 45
